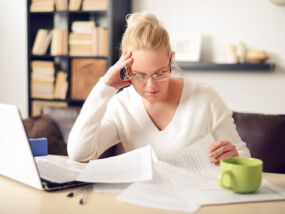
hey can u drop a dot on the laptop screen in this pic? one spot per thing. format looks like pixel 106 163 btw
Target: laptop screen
pixel 16 158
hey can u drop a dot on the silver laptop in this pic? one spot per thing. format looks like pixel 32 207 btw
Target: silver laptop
pixel 17 161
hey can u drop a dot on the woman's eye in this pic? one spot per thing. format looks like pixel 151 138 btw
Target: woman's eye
pixel 161 74
pixel 141 76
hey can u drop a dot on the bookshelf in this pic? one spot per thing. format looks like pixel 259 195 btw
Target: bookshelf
pixel 111 20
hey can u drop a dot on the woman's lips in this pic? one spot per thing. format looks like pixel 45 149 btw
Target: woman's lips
pixel 152 93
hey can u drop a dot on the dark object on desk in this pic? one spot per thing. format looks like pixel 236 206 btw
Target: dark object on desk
pixel 264 135
pixel 265 138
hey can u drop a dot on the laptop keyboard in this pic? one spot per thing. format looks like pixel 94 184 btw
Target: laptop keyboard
pixel 55 173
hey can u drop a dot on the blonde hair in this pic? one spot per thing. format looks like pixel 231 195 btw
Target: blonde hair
pixel 144 32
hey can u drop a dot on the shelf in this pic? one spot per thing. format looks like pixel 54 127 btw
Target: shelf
pixel 206 66
pixel 72 102
pixel 47 56
pixel 89 57
pixel 35 57
pixel 113 19
pixel 44 99
pixel 85 11
pixel 69 12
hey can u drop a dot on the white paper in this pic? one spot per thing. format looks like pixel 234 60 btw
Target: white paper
pixel 195 158
pixel 158 192
pixel 206 192
pixel 129 167
pixel 110 188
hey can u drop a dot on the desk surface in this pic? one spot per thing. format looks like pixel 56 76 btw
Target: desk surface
pixel 19 198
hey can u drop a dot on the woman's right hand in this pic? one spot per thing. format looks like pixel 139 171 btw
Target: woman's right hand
pixel 112 76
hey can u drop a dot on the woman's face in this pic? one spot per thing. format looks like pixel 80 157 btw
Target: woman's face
pixel 150 62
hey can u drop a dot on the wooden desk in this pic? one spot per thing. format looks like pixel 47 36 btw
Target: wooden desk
pixel 19 198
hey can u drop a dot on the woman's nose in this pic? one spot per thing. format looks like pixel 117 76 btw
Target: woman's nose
pixel 150 81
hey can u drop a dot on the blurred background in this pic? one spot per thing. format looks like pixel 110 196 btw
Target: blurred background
pixel 258 24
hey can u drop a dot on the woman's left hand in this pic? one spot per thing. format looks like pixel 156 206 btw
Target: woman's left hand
pixel 221 150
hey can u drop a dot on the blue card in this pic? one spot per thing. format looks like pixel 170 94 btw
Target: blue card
pixel 39 146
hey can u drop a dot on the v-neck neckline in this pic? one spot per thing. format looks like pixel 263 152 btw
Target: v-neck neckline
pixel 150 124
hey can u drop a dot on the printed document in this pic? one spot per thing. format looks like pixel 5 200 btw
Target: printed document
pixel 159 192
pixel 195 158
pixel 132 166
pixel 203 192
pixel 177 189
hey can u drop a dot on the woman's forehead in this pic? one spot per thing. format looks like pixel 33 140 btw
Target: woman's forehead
pixel 149 60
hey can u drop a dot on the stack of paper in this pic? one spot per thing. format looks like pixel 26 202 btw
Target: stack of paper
pixel 183 181
pixel 187 181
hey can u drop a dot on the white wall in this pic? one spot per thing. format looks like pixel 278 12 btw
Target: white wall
pixel 13 54
pixel 258 23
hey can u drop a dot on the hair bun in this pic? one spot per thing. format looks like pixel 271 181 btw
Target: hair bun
pixel 142 18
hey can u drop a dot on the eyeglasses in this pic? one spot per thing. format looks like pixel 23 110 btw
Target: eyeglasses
pixel 157 77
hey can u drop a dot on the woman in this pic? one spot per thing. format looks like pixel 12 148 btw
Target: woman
pixel 170 113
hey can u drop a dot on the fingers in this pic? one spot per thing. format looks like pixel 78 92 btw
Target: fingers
pixel 216 160
pixel 125 59
pixel 125 55
pixel 220 150
pixel 113 77
pixel 219 147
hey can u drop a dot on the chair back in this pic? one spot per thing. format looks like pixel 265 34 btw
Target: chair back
pixel 265 138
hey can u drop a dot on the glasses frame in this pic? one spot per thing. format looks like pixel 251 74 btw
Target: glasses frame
pixel 154 76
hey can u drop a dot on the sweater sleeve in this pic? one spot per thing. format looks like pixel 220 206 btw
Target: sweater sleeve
pixel 87 139
pixel 223 127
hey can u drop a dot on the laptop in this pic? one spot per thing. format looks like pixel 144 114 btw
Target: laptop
pixel 17 161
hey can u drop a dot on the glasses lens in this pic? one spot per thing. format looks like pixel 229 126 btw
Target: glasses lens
pixel 161 77
pixel 139 78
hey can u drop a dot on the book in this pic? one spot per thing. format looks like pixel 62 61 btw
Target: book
pixel 61 5
pixel 55 42
pixel 84 27
pixel 37 105
pixel 81 48
pixel 84 39
pixel 64 42
pixel 84 75
pixel 80 39
pixel 42 79
pixel 88 5
pixel 104 43
pixel 61 85
pixel 42 6
pixel 39 41
pixel 46 43
pixel 39 83
pixel 74 5
pixel 42 64
pixel 59 42
pixel 95 41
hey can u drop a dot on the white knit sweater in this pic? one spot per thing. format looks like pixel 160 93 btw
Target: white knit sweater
pixel 107 118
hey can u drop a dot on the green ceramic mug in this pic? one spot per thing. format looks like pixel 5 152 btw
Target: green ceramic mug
pixel 239 174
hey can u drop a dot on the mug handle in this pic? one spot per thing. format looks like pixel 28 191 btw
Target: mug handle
pixel 221 179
